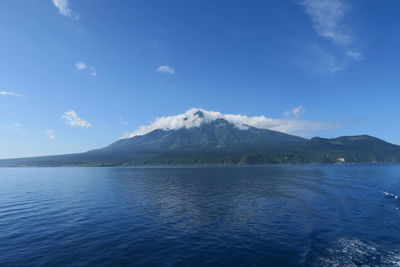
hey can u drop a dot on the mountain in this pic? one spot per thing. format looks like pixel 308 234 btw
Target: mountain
pixel 218 135
pixel 354 149
pixel 200 139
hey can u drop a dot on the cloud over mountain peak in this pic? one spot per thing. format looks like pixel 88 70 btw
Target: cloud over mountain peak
pixel 195 117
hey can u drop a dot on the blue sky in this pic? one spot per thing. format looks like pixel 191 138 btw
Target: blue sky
pixel 78 75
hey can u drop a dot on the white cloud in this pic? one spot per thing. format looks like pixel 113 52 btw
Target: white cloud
pixel 166 69
pixel 7 93
pixel 329 22
pixel 64 9
pixel 81 65
pixel 50 134
pixel 296 112
pixel 72 119
pixel 354 54
pixel 191 118
pixel 327 17
pixel 93 71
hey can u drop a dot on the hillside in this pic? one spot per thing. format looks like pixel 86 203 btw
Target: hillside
pixel 221 142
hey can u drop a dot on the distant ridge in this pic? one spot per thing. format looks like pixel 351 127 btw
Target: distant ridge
pixel 219 141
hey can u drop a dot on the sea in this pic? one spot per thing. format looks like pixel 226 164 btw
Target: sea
pixel 276 215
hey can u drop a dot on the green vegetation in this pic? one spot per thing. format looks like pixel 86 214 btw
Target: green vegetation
pixel 220 142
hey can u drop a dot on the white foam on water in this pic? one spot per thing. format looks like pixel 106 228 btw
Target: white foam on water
pixel 354 252
pixel 391 195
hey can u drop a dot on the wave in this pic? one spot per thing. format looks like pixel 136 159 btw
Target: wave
pixel 391 195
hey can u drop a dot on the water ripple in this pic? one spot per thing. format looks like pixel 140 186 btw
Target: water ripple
pixel 225 216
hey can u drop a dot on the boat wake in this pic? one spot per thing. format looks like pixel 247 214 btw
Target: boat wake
pixel 353 252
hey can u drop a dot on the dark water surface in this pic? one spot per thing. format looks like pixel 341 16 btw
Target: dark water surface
pixel 221 216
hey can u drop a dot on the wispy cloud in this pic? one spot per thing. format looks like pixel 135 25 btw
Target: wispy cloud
pixel 318 61
pixel 13 126
pixel 296 112
pixel 8 93
pixel 122 121
pixel 82 66
pixel 354 54
pixel 93 71
pixel 327 17
pixel 50 134
pixel 191 118
pixel 72 118
pixel 64 9
pixel 166 69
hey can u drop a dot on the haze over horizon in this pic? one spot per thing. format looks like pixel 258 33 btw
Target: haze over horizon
pixel 78 75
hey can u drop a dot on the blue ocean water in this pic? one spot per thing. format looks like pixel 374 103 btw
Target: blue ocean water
pixel 219 216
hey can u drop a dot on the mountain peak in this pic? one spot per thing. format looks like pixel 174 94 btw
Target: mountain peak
pixel 195 117
pixel 199 114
